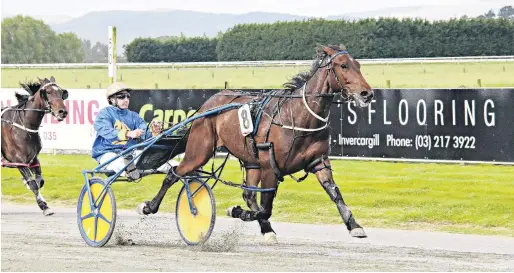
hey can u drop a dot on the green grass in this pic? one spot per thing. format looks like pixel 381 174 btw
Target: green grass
pixel 435 75
pixel 475 199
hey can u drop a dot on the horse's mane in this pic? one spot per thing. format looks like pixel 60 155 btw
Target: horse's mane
pixel 301 78
pixel 30 87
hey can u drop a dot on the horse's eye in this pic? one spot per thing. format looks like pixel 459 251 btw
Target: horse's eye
pixel 344 66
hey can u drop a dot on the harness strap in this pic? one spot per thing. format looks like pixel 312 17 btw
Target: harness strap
pixel 20 126
pixel 311 168
pixel 253 148
pixel 259 113
pixel 325 120
pixel 252 166
pixel 12 164
pixel 16 124
pixel 273 162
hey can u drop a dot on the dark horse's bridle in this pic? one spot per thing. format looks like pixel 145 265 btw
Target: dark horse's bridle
pixel 331 95
pixel 47 109
pixel 330 68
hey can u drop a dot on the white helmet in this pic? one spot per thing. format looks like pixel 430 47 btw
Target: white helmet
pixel 115 88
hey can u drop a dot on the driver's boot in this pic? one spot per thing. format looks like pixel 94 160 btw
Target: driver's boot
pixel 132 172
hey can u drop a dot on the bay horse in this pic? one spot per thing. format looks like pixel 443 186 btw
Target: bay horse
pixel 21 142
pixel 292 135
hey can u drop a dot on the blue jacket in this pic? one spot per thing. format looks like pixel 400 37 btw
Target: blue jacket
pixel 111 126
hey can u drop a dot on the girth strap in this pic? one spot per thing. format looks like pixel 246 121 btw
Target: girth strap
pixel 16 165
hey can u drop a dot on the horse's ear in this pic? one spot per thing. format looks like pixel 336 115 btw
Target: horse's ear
pixel 41 81
pixel 342 47
pixel 320 49
pixel 329 51
pixel 52 79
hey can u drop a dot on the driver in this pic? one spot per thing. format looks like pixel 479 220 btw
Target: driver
pixel 117 128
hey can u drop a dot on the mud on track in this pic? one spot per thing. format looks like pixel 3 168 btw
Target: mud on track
pixel 32 242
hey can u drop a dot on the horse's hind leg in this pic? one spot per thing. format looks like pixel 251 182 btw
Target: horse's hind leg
pixel 198 151
pixel 263 213
pixel 34 187
pixel 37 172
pixel 326 180
pixel 253 176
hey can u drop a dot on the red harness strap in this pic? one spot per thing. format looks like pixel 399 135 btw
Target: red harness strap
pixel 16 165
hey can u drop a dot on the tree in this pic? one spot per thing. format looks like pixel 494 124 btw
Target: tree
pixel 507 12
pixel 26 40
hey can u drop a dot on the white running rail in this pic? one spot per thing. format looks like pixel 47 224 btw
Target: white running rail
pixel 267 63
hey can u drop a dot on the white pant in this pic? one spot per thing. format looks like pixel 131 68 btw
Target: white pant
pixel 119 163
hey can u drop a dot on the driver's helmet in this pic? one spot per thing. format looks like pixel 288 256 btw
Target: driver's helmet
pixel 115 88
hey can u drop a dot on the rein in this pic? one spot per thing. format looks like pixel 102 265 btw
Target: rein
pixel 304 96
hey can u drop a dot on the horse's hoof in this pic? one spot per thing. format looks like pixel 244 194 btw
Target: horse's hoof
pixel 270 238
pixel 141 208
pixel 48 212
pixel 358 232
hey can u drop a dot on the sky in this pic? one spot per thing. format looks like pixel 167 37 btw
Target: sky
pixel 317 8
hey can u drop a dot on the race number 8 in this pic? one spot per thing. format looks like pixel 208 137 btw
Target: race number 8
pixel 245 120
pixel 244 116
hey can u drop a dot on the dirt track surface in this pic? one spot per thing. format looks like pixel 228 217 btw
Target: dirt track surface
pixel 32 242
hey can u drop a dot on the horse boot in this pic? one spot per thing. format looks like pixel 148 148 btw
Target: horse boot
pixel 132 172
pixel 40 181
pixel 34 187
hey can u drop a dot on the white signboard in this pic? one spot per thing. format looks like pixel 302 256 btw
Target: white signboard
pixel 76 131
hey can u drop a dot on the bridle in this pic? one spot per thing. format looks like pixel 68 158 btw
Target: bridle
pixel 48 103
pixel 329 67
pixel 47 109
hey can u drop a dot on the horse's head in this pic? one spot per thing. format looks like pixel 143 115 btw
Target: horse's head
pixel 344 76
pixel 53 97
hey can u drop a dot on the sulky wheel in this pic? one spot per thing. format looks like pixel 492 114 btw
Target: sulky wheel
pixel 195 227
pixel 96 224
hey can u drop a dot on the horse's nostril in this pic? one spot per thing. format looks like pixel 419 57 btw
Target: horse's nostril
pixel 63 112
pixel 364 93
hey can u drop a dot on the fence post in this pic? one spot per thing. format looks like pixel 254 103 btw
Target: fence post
pixel 479 82
pixel 388 83
pixel 226 84
pixel 156 86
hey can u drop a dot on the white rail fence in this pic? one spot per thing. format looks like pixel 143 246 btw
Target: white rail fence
pixel 266 63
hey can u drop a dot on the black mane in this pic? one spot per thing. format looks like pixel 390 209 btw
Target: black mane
pixel 31 87
pixel 301 78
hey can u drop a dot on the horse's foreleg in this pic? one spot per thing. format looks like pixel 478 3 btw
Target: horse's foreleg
pixel 260 213
pixel 34 187
pixel 327 182
pixel 37 172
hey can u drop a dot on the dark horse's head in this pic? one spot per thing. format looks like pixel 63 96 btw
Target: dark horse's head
pixel 49 94
pixel 343 75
